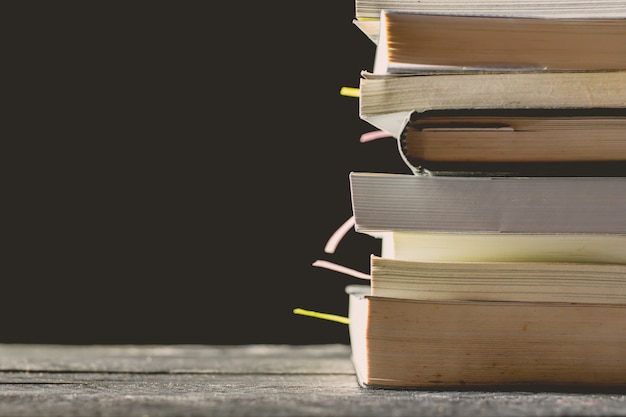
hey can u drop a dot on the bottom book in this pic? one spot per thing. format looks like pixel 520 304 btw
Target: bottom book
pixel 414 344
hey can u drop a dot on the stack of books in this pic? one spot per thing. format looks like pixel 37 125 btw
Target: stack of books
pixel 503 249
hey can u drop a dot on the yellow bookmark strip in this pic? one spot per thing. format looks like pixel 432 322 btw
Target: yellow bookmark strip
pixel 323 316
pixel 350 92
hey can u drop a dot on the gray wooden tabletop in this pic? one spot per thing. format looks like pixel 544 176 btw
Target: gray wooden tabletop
pixel 255 380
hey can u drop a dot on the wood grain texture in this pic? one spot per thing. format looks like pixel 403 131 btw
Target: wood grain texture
pixel 256 380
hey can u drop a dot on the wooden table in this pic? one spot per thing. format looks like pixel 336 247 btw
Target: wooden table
pixel 255 380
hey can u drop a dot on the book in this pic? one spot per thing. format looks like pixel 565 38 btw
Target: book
pixel 383 202
pixel 367 12
pixel 522 140
pixel 527 122
pixel 498 345
pixel 499 281
pixel 502 247
pixel 409 41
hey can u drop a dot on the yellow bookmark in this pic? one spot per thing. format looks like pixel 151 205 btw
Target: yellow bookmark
pixel 323 316
pixel 350 92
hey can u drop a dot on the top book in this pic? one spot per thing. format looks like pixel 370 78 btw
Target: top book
pixel 367 12
pixel 410 42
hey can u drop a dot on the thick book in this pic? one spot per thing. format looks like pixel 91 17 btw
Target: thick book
pixel 410 41
pixel 524 123
pixel 502 247
pixel 383 202
pixel 418 344
pixel 565 282
pixel 520 141
pixel 367 12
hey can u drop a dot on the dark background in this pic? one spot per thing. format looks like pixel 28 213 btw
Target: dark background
pixel 173 170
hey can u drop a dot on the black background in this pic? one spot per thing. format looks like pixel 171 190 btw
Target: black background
pixel 173 170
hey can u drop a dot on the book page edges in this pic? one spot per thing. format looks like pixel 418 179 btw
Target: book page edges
pixel 431 90
pixel 488 247
pixel 455 357
pixel 369 21
pixel 358 309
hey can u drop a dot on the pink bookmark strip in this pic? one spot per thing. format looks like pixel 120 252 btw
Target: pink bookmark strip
pixel 336 237
pixel 341 269
pixel 377 134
